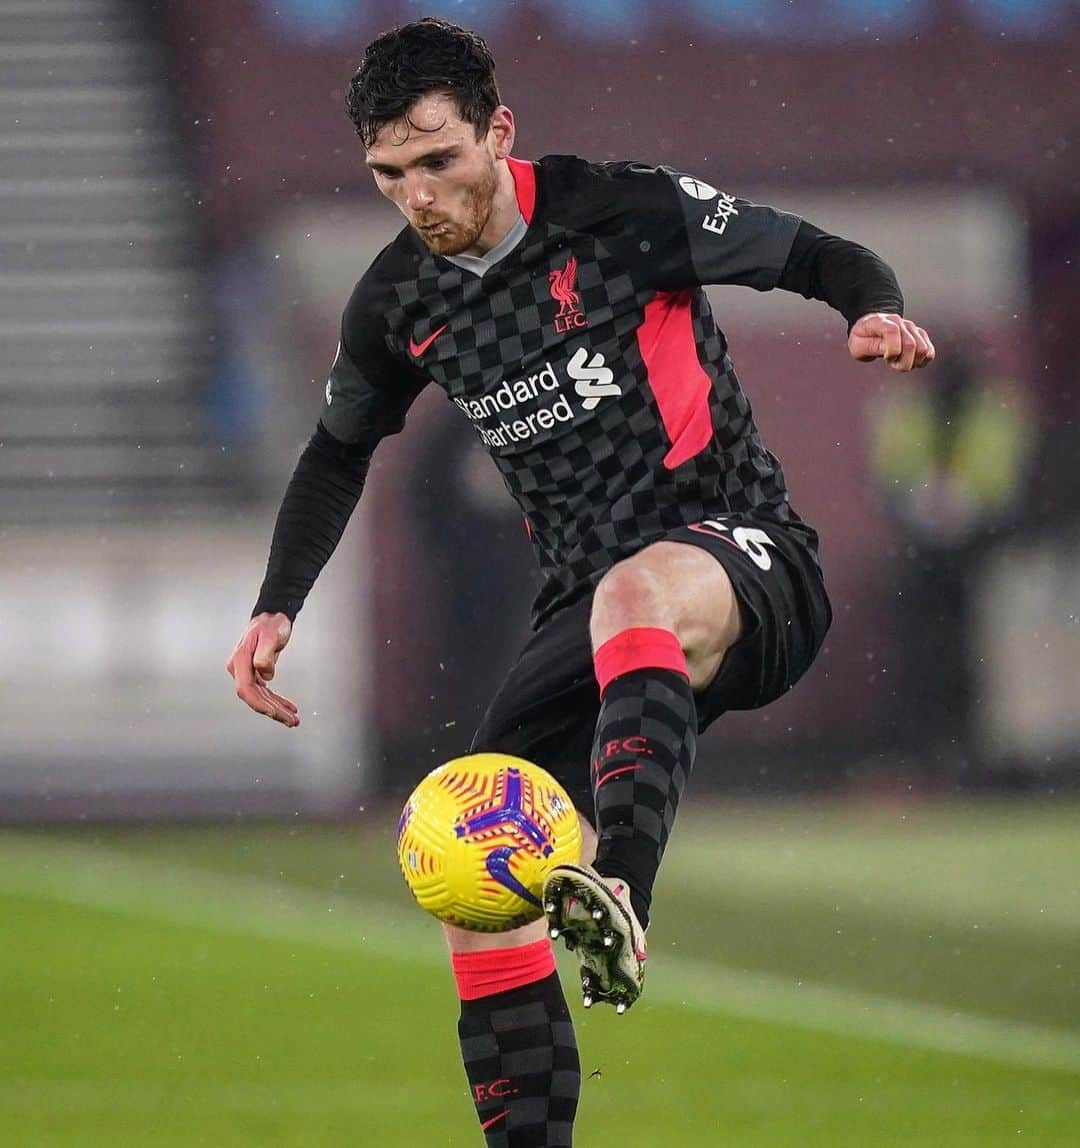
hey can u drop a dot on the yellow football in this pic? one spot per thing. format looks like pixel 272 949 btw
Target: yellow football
pixel 478 836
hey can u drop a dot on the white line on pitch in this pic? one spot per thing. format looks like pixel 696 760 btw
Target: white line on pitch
pixel 103 879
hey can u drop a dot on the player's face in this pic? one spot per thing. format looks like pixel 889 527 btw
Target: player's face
pixel 443 179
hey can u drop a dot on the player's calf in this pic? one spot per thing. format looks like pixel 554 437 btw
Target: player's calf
pixel 646 736
pixel 518 1045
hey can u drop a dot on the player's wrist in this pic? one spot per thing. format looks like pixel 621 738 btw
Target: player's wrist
pixel 272 610
pixel 891 310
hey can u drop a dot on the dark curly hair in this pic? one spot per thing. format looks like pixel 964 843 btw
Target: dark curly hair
pixel 429 55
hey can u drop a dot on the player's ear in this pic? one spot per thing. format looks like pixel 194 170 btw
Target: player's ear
pixel 501 131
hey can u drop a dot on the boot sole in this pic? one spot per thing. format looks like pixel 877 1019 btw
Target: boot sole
pixel 602 976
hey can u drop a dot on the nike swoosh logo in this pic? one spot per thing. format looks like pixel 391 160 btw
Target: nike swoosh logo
pixel 494 1120
pixel 417 349
pixel 616 773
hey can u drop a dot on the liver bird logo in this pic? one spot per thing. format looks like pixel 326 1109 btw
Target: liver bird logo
pixel 562 281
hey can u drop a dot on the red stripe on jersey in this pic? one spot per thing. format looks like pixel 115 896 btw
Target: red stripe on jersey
pixel 677 378
pixel 524 174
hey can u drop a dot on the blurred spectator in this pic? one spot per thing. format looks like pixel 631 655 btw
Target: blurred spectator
pixel 950 455
pixel 468 594
pixel 233 393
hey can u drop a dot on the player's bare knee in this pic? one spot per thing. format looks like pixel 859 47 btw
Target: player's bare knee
pixel 630 594
pixel 674 587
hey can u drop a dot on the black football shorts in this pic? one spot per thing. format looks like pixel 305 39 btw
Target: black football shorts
pixel 546 709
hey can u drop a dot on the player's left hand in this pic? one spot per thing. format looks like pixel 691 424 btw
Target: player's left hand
pixel 893 338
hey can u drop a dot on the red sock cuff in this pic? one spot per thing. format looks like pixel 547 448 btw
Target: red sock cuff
pixel 642 648
pixel 490 971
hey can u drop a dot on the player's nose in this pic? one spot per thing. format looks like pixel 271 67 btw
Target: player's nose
pixel 417 193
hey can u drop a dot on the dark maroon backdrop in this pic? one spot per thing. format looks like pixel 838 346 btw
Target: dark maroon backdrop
pixel 957 106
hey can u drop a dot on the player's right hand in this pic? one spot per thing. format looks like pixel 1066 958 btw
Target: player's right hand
pixel 252 663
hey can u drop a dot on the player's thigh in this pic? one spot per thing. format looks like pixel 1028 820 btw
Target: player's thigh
pixel 465 941
pixel 784 608
pixel 546 708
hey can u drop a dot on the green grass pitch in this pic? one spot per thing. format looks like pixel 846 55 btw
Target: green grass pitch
pixel 837 976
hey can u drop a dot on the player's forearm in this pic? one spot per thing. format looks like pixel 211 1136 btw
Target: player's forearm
pixel 319 499
pixel 851 279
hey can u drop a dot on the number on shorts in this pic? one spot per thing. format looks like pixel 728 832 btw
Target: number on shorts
pixel 749 539
pixel 753 542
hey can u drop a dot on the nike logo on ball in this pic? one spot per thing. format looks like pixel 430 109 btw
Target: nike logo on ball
pixel 417 349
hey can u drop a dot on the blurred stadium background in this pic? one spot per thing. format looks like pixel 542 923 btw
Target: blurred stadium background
pixel 203 939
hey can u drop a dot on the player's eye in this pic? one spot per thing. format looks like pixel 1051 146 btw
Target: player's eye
pixel 438 163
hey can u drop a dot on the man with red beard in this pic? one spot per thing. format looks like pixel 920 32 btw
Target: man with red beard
pixel 559 303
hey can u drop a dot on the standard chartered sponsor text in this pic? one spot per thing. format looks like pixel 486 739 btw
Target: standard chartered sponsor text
pixel 510 394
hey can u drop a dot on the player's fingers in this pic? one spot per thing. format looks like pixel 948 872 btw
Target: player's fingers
pixel 896 340
pixel 866 347
pixel 269 704
pixel 250 693
pixel 284 716
pixel 925 352
pixel 281 709
pixel 266 647
pixel 278 701
pixel 876 336
pixel 890 336
pixel 902 361
pixel 239 665
pixel 862 349
pixel 906 358
pixel 282 701
pixel 249 687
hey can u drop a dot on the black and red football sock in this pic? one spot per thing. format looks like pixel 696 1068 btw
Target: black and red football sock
pixel 646 738
pixel 518 1046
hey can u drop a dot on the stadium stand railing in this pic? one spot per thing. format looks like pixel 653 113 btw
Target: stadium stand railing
pixel 105 340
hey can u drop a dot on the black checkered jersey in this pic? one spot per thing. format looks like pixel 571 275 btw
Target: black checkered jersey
pixel 587 359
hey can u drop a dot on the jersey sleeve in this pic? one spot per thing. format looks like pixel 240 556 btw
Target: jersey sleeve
pixel 368 394
pixel 697 234
pixel 370 389
pixel 847 276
